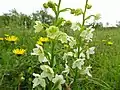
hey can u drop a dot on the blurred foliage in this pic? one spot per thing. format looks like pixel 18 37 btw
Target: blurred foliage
pixel 13 19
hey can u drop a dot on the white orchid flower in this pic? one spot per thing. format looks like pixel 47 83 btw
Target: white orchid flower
pixel 47 72
pixel 67 69
pixel 40 53
pixel 75 26
pixel 37 51
pixel 78 63
pixel 38 80
pixel 59 80
pixel 38 27
pixel 90 51
pixel 86 71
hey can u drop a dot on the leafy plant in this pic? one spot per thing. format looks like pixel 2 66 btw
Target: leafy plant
pixel 63 73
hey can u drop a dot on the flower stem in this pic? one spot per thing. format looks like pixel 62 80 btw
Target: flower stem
pixel 58 12
pixel 53 43
pixel 52 54
pixel 84 13
pixel 19 86
pixel 75 87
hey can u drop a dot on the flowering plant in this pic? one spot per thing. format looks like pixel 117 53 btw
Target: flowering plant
pixel 62 67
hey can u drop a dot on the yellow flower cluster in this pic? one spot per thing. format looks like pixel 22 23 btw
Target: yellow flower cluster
pixel 107 42
pixel 19 51
pixel 42 40
pixel 110 43
pixel 11 38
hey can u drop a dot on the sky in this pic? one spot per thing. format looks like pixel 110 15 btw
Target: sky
pixel 109 9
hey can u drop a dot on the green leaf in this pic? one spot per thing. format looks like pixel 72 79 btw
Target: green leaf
pixel 100 83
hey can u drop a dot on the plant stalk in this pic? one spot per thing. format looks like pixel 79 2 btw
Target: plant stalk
pixel 53 44
pixel 75 87
pixel 52 54
pixel 58 11
pixel 84 13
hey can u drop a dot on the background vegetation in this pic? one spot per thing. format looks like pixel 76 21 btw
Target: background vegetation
pixel 105 63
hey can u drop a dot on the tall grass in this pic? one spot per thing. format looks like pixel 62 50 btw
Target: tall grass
pixel 105 63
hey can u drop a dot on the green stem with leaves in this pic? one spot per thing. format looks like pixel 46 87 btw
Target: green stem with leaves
pixel 53 41
pixel 78 46
pixel 57 12
pixel 52 53
pixel 53 44
pixel 84 13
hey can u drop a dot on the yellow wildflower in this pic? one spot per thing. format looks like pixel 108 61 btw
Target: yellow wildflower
pixel 42 40
pixel 65 45
pixel 1 39
pixel 19 51
pixel 11 38
pixel 110 43
pixel 39 42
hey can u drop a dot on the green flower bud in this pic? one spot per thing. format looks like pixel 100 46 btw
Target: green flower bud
pixel 55 4
pixel 78 11
pixel 29 70
pixel 22 78
pixel 97 17
pixel 51 4
pixel 30 79
pixel 72 11
pixel 45 5
pixel 67 23
pixel 89 6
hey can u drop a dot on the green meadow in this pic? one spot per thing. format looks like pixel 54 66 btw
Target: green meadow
pixel 105 62
pixel 42 52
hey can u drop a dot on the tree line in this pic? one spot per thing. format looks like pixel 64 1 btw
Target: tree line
pixel 20 20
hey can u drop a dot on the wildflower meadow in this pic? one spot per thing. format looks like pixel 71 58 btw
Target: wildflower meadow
pixel 45 52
